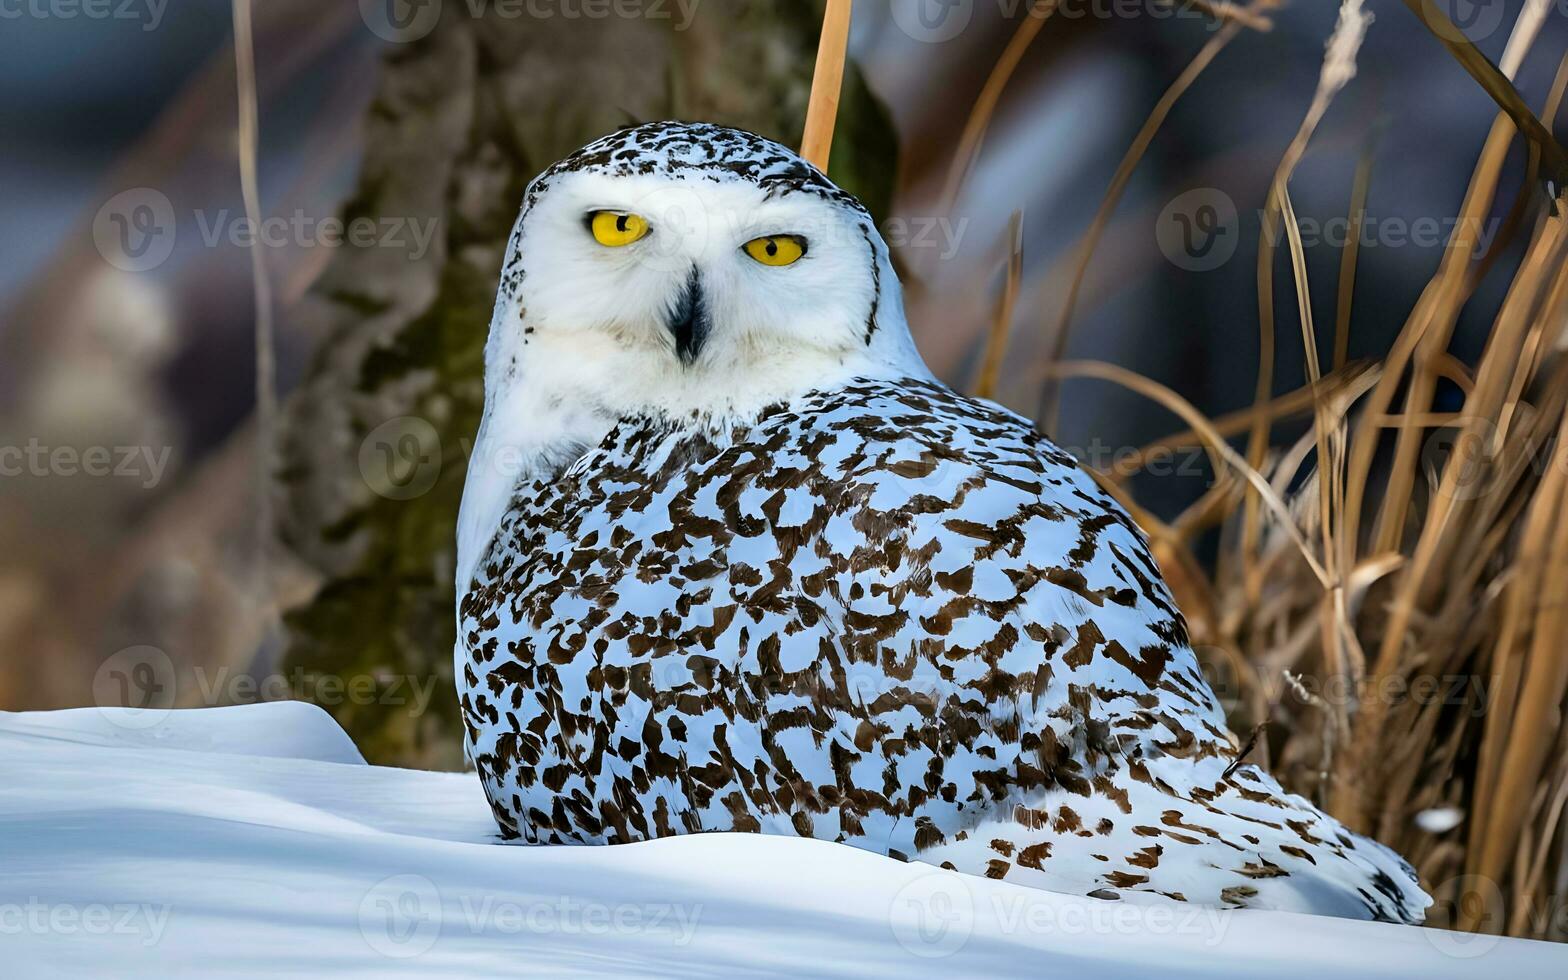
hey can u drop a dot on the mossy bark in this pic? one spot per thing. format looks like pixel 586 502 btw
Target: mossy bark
pixel 374 443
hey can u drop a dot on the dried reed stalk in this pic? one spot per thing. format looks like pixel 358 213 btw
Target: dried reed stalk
pixel 990 95
pixel 1347 260
pixel 1113 195
pixel 827 81
pixel 1434 539
pixel 1002 323
pixel 1495 83
pixel 266 382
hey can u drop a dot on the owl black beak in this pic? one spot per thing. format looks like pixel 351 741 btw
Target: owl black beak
pixel 689 320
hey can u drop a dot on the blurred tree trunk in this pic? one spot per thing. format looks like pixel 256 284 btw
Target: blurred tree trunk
pixel 374 444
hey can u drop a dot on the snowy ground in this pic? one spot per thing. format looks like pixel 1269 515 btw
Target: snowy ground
pixel 254 840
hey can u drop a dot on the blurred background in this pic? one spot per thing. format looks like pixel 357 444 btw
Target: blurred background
pixel 168 537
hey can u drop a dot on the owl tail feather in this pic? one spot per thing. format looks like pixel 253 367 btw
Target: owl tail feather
pixel 1190 831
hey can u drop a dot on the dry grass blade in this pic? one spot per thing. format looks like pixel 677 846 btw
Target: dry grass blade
pixel 1424 338
pixel 1348 255
pixel 1002 322
pixel 1497 85
pixel 1424 583
pixel 1353 378
pixel 1544 680
pixel 1433 536
pixel 1113 194
pixel 1231 16
pixel 1428 329
pixel 827 81
pixel 1216 444
pixel 990 94
pixel 266 385
pixel 1341 651
pixel 1226 12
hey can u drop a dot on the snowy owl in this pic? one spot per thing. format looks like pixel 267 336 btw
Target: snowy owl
pixel 730 558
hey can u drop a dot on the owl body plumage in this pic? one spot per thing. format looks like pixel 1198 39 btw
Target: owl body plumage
pixel 888 616
pixel 794 585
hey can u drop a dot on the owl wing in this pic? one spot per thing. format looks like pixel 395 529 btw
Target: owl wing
pixel 965 547
pixel 1038 705
pixel 895 610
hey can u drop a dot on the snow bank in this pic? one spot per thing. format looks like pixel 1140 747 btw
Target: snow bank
pixel 254 840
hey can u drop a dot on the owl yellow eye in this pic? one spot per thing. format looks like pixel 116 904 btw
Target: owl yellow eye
pixel 615 228
pixel 776 249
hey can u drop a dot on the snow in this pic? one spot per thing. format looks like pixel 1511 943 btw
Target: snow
pixel 254 840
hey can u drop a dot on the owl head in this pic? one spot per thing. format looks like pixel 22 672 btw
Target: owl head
pixel 689 267
pixel 680 270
